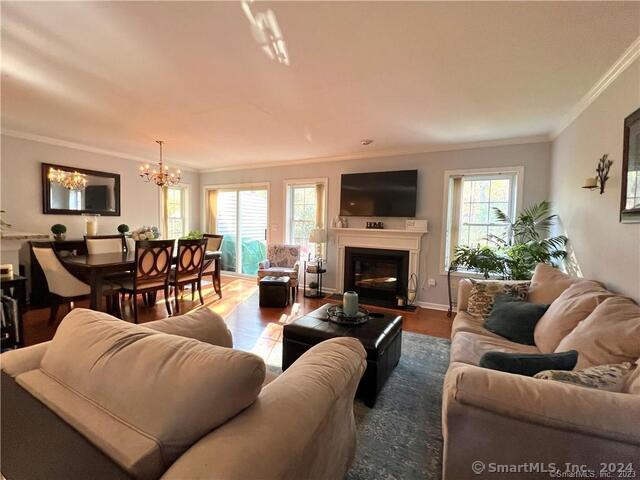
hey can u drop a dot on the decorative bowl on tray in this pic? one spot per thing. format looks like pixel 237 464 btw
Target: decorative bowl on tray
pixel 335 314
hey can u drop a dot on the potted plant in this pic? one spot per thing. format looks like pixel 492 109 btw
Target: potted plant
pixel 58 231
pixel 313 288
pixel 123 228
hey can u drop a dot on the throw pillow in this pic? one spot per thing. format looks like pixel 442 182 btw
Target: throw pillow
pixel 514 319
pixel 603 377
pixel 547 283
pixel 574 305
pixel 483 293
pixel 608 335
pixel 528 363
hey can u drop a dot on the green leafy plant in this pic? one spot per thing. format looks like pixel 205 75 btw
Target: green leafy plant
pixel 515 255
pixel 193 235
pixel 3 225
pixel 313 285
pixel 482 259
pixel 123 228
pixel 58 229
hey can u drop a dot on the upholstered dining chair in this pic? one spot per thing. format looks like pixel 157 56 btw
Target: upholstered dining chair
pixel 282 261
pixel 63 286
pixel 188 269
pixel 214 244
pixel 152 268
pixel 105 244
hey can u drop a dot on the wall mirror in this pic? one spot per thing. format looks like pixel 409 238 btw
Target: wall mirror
pixel 74 191
pixel 630 196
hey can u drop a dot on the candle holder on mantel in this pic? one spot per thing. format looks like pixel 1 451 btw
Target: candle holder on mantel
pixel 602 171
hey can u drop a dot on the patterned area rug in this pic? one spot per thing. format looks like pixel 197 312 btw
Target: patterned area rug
pixel 401 437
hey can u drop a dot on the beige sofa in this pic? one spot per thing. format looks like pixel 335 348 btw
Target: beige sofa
pixel 505 421
pixel 109 399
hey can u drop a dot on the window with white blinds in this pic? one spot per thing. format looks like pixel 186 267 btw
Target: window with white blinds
pixel 176 205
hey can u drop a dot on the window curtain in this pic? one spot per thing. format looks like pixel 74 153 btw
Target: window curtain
pixel 165 213
pixel 320 205
pixel 456 203
pixel 212 211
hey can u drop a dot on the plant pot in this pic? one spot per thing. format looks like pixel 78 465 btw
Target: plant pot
pixel 313 291
pixel 59 237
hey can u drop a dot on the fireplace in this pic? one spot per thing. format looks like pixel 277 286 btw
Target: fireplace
pixel 378 275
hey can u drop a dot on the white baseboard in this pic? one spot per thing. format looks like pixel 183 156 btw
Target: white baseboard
pixel 434 306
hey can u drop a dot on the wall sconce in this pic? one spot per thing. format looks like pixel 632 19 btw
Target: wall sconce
pixel 602 175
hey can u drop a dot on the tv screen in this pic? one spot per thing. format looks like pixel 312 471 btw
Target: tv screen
pixel 379 194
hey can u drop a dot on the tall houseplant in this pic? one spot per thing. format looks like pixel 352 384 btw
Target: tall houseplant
pixel 526 243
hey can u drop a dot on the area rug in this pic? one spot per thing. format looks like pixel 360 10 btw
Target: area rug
pixel 401 437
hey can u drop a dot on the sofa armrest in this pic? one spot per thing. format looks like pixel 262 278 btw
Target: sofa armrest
pixel 15 362
pixel 301 426
pixel 464 289
pixel 202 324
pixel 545 402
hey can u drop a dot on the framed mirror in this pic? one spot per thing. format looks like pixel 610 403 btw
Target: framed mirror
pixel 74 191
pixel 630 196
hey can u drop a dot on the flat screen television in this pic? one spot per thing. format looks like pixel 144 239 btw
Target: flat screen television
pixel 379 194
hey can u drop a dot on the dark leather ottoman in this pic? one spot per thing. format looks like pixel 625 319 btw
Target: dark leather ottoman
pixel 381 337
pixel 274 291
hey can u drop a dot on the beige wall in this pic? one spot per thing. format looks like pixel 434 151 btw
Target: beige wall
pixel 603 248
pixel 21 188
pixel 534 157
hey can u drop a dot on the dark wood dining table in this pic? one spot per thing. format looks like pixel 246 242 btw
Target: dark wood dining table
pixel 95 267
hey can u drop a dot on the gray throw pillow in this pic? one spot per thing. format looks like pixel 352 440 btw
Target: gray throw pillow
pixel 514 319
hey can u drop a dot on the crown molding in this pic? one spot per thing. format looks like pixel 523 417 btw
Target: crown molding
pixel 625 60
pixel 85 148
pixel 392 152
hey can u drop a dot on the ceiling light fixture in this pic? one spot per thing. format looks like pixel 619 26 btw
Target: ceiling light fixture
pixel 161 177
pixel 366 141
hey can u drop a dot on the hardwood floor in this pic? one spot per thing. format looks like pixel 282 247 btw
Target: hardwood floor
pixel 254 329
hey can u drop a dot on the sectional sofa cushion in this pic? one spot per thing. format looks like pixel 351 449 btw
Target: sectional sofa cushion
pixel 610 334
pixel 528 364
pixel 514 319
pixel 611 378
pixel 572 306
pixel 483 293
pixel 632 385
pixel 467 347
pixel 170 389
pixel 548 283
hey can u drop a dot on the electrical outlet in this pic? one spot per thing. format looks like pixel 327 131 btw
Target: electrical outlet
pixel 432 282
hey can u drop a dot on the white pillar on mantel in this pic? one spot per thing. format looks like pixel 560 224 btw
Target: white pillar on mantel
pixel 386 239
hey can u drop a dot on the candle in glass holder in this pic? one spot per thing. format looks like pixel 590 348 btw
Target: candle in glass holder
pixel 350 304
pixel 91 225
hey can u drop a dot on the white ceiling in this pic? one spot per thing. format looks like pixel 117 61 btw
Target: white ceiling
pixel 117 75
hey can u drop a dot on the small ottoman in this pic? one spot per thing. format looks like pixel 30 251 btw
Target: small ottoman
pixel 274 292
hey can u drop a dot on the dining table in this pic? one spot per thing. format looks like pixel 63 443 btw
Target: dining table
pixel 94 268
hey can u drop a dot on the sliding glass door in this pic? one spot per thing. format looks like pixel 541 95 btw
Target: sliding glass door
pixel 241 215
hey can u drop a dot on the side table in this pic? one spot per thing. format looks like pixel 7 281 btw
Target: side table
pixel 319 271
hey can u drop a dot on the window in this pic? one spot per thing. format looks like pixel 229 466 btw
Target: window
pixel 471 200
pixel 176 208
pixel 306 204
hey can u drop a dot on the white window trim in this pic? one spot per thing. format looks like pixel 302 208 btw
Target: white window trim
pixel 446 215
pixel 286 211
pixel 235 186
pixel 187 208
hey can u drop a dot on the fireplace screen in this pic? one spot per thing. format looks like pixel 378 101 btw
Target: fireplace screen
pixel 378 275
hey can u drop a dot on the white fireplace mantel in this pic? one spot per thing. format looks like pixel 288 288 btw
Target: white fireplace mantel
pixel 389 239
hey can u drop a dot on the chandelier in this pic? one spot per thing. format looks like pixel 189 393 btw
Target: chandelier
pixel 162 177
pixel 70 181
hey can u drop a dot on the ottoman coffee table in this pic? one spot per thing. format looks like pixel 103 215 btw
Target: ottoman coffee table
pixel 381 337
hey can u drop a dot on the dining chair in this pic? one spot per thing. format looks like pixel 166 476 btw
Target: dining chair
pixel 189 268
pixel 64 287
pixel 152 268
pixel 105 244
pixel 214 244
